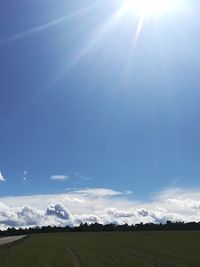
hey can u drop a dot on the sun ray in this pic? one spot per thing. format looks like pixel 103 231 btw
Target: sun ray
pixel 100 35
pixel 45 26
pixel 139 29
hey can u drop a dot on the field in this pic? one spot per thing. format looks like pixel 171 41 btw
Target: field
pixel 124 249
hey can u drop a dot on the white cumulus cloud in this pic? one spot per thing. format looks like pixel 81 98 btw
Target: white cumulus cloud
pixel 2 178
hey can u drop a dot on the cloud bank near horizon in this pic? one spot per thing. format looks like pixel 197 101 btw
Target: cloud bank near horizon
pixel 100 205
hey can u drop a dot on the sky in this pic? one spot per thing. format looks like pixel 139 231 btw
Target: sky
pixel 99 112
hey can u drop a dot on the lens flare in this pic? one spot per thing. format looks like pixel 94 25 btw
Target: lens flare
pixel 148 7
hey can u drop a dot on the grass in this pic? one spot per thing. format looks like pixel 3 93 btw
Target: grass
pixel 123 249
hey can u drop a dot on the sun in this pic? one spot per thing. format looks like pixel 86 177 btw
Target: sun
pixel 144 9
pixel 147 7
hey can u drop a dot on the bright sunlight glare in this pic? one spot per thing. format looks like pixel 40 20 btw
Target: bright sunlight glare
pixel 148 7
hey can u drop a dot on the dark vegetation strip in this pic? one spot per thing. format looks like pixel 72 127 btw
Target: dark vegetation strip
pixel 96 227
pixel 105 249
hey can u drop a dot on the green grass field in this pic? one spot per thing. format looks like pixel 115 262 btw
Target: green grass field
pixel 124 249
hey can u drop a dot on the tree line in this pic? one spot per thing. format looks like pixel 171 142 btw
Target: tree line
pixel 96 227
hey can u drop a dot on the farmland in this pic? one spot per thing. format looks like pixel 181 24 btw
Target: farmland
pixel 111 249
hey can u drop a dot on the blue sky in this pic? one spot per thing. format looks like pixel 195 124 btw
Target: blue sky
pixel 84 101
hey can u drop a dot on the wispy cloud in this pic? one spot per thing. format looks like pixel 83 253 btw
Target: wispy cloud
pixel 25 175
pixel 60 177
pixel 2 178
pixel 98 192
pixel 85 178
pixel 78 175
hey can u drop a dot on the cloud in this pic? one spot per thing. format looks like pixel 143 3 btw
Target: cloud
pixel 77 177
pixel 100 205
pixel 2 179
pixel 120 213
pixel 19 217
pixel 74 199
pixel 58 210
pixel 82 177
pixel 85 218
pixel 98 192
pixel 25 175
pixel 59 177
